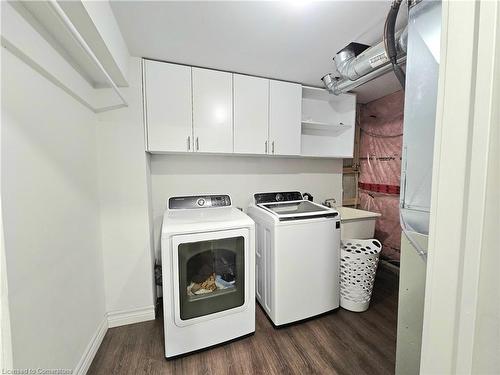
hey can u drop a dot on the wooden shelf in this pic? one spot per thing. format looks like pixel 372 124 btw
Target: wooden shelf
pixel 350 170
pixel 322 128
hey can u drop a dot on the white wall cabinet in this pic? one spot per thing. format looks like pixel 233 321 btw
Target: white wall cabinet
pixel 168 106
pixel 212 111
pixel 251 114
pixel 267 116
pixel 191 109
pixel 285 102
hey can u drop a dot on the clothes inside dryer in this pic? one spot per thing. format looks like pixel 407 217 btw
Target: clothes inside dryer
pixel 210 271
pixel 211 275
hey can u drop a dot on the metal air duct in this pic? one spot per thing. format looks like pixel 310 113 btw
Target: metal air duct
pixel 355 68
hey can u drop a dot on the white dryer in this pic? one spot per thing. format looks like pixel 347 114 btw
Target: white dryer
pixel 208 269
pixel 297 256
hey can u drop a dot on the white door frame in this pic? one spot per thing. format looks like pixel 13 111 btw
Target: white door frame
pixel 465 199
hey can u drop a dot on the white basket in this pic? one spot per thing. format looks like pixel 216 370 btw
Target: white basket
pixel 358 266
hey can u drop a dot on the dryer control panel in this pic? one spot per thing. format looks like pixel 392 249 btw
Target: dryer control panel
pixel 199 201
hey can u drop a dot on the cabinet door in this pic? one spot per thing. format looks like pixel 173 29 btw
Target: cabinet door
pixel 285 103
pixel 168 105
pixel 251 114
pixel 213 110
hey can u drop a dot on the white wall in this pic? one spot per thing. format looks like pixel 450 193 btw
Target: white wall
pixel 128 269
pixel 240 176
pixel 5 338
pixel 51 220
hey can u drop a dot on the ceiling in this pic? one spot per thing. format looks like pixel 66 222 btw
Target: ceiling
pixel 288 40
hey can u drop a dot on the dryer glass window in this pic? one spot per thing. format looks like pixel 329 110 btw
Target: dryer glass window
pixel 211 276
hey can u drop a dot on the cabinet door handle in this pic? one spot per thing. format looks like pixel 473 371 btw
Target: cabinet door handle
pixel 197 144
pixel 189 143
pixel 272 147
pixel 265 148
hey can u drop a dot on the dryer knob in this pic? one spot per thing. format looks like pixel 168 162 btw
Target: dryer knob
pixel 201 202
pixel 279 197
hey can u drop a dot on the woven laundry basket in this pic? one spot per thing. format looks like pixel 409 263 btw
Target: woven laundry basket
pixel 358 266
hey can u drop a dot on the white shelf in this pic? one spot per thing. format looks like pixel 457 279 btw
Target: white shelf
pixel 327 123
pixel 311 127
pixel 43 36
pixel 316 93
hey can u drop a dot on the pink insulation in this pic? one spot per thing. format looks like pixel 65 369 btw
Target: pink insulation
pixel 381 123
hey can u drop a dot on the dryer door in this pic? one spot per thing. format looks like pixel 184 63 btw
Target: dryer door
pixel 210 274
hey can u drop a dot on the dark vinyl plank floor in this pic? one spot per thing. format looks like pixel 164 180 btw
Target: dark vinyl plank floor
pixel 341 342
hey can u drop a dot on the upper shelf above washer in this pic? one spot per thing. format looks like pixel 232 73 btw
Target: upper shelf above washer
pixel 321 107
pixel 327 123
pixel 323 128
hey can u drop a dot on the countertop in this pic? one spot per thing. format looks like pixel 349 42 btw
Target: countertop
pixel 348 214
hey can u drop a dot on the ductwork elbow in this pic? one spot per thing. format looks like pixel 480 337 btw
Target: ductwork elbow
pixel 344 61
pixel 328 80
pixel 331 83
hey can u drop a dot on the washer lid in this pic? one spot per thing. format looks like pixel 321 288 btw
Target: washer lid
pixel 298 210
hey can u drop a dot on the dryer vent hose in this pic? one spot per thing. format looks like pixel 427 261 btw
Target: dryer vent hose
pixel 390 41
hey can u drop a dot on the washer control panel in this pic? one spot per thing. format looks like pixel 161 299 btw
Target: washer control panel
pixel 280 196
pixel 199 201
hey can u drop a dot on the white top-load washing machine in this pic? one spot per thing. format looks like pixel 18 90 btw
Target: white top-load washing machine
pixel 297 256
pixel 208 269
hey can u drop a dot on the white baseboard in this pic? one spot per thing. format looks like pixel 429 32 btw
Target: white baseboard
pixel 91 349
pixel 124 317
pixel 111 319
